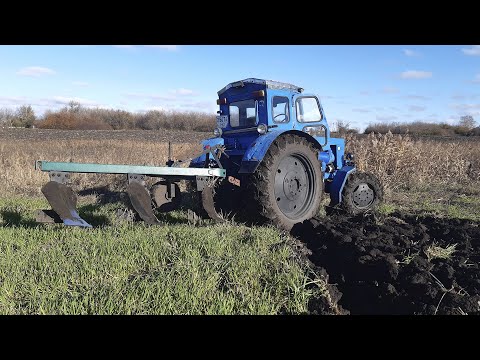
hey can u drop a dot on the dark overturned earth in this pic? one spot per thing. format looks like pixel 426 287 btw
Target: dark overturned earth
pixel 382 264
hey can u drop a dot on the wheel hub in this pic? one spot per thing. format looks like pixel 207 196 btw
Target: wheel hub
pixel 293 188
pixel 363 195
pixel 293 185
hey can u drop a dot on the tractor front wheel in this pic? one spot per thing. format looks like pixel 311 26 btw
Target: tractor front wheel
pixel 362 192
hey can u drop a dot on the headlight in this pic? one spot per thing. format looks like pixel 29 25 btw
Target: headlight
pixel 262 129
pixel 217 132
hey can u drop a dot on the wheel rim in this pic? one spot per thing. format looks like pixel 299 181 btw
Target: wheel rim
pixel 363 196
pixel 294 185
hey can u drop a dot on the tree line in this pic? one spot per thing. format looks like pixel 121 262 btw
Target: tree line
pixel 76 117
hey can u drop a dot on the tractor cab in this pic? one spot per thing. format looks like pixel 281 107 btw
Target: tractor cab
pixel 252 107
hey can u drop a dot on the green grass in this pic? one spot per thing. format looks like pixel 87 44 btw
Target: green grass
pixel 123 268
pixel 452 201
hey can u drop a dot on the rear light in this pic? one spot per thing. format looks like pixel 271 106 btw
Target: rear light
pixel 221 101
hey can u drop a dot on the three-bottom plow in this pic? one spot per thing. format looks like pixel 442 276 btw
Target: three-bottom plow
pixel 163 195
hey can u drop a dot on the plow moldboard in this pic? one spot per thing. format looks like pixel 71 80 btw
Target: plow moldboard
pixel 63 201
pixel 142 202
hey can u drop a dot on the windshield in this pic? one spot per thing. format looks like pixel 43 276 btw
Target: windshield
pixel 243 113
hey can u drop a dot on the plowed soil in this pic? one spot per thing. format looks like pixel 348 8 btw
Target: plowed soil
pixel 388 266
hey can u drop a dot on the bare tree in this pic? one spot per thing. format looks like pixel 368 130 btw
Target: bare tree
pixel 74 106
pixel 24 116
pixel 467 122
pixel 6 117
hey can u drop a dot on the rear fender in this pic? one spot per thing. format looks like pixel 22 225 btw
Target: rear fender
pixel 257 150
pixel 335 186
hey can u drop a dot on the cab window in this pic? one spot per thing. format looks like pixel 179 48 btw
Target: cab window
pixel 308 110
pixel 243 113
pixel 280 109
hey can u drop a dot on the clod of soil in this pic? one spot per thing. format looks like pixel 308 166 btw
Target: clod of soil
pixel 400 264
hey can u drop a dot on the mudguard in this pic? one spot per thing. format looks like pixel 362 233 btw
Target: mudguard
pixel 335 186
pixel 257 150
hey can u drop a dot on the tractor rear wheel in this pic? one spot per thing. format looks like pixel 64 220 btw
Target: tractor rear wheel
pixel 362 192
pixel 287 185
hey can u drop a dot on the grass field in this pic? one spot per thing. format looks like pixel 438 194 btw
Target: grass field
pixel 124 268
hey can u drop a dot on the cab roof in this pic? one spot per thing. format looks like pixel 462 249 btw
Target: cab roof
pixel 269 84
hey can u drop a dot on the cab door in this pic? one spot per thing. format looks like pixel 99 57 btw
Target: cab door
pixel 309 117
pixel 279 110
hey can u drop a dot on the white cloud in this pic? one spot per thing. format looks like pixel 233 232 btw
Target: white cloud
pixel 79 83
pixel 472 51
pixel 416 74
pixel 150 96
pixel 469 106
pixel 386 117
pixel 12 100
pixel 164 47
pixel 172 95
pixel 361 110
pixel 410 53
pixel 416 108
pixel 35 71
pixel 476 80
pixel 390 90
pixel 467 109
pixel 417 97
pixel 154 108
pixel 182 92
pixel 62 100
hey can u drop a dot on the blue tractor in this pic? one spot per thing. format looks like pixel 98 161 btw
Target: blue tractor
pixel 271 160
pixel 274 142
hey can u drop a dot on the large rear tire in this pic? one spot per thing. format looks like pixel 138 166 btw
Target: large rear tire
pixel 287 186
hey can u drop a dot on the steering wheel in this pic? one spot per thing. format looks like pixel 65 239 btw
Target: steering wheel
pixel 286 117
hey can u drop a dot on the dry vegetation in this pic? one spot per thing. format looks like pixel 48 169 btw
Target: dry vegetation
pixel 399 161
pixel 76 117
pixel 108 119
pixel 17 160
pixel 420 128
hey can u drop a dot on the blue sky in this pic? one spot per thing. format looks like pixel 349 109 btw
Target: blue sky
pixel 357 84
